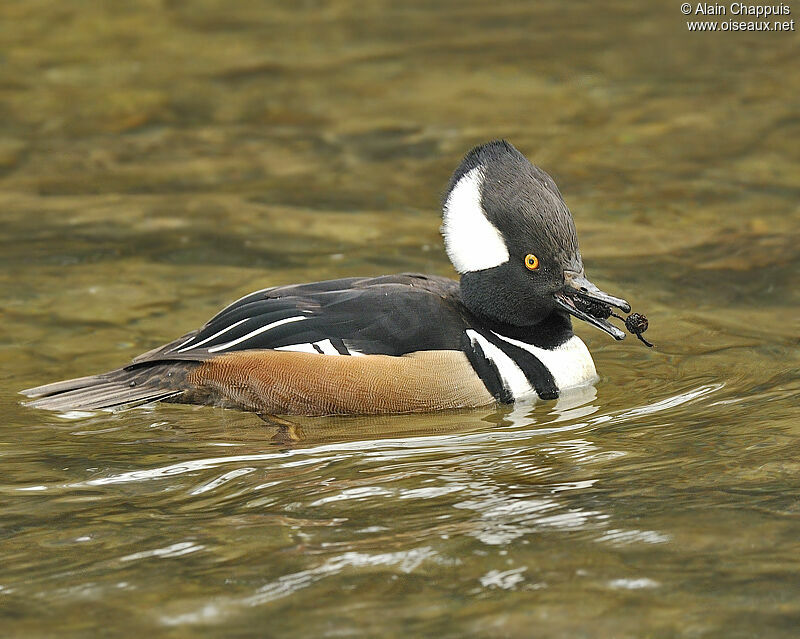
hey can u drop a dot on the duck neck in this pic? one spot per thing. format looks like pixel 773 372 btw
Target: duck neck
pixel 552 331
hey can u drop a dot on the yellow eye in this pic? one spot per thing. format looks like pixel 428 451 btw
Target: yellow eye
pixel 531 262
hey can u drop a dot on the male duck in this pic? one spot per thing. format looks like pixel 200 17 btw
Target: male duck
pixel 396 343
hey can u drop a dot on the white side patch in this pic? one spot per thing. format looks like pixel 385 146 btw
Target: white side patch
pixel 327 347
pixel 258 331
pixel 473 243
pixel 570 364
pixel 297 348
pixel 511 374
pixel 354 352
pixel 324 345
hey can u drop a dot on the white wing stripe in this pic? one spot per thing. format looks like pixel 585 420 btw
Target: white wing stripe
pixel 183 343
pixel 208 339
pixel 258 331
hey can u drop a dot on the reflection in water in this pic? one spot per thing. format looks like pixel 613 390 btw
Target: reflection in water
pixel 519 417
pixel 502 513
pixel 529 443
pixel 546 492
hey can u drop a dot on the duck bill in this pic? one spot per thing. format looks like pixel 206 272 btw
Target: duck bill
pixel 576 285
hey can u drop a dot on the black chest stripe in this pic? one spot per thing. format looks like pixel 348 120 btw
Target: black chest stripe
pixel 486 370
pixel 537 374
pixel 339 345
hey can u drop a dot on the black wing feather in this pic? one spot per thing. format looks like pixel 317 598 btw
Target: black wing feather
pixel 390 315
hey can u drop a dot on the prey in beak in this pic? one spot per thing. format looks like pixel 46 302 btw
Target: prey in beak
pixel 584 300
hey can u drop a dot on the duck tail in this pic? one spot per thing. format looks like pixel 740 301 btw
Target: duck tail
pixel 118 389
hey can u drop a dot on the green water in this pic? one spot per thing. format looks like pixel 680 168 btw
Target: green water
pixel 160 159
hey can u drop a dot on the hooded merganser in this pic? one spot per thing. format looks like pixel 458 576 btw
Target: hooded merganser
pixel 397 343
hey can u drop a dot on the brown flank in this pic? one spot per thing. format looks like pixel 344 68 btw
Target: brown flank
pixel 293 383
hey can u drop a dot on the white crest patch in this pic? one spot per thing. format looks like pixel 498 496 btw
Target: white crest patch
pixel 473 243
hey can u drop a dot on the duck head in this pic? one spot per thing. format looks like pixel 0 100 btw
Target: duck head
pixel 510 235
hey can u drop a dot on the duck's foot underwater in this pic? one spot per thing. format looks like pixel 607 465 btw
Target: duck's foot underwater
pixel 288 431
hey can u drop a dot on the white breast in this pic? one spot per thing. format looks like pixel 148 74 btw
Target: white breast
pixel 570 364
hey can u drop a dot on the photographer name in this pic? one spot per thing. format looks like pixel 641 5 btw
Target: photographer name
pixel 741 9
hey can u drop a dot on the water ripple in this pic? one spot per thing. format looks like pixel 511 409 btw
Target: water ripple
pixel 404 561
